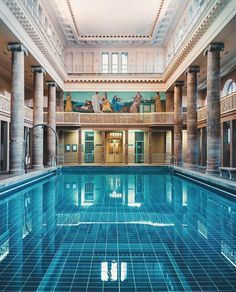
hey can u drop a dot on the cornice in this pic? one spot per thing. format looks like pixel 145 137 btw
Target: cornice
pixel 188 45
pixel 21 14
pixel 113 81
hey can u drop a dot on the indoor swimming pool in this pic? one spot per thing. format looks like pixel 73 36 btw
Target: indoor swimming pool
pixel 117 231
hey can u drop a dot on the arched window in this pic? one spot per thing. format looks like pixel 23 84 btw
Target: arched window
pixel 229 87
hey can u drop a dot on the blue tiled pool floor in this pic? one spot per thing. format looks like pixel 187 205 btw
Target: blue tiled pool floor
pixel 117 232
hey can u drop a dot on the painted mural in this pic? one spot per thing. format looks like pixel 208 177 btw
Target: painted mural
pixel 115 102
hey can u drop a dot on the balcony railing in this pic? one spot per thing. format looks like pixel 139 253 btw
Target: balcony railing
pixel 163 118
pixel 5 109
pixel 227 106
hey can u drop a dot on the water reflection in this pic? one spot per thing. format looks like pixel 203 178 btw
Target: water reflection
pixel 147 231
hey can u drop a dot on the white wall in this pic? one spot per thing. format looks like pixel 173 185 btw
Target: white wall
pixel 140 60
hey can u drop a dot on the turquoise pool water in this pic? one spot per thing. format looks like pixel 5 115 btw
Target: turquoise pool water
pixel 133 231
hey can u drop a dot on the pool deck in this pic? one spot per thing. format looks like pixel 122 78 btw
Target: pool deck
pixel 216 181
pixel 9 180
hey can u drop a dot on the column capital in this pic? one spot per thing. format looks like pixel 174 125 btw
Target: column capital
pixel 52 83
pixel 179 83
pixel 214 47
pixel 38 69
pixel 19 47
pixel 192 69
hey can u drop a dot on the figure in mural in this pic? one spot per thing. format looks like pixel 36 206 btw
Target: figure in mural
pixel 106 107
pixel 88 107
pixel 138 98
pixel 134 107
pixel 96 102
pixel 115 104
pixel 158 103
pixel 68 107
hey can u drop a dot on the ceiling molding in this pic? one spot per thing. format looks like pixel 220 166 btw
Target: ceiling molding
pixel 105 37
pixel 157 27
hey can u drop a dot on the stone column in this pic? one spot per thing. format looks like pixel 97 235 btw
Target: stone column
pixel 17 108
pixel 80 145
pixel 233 143
pixel 203 146
pixel 213 107
pixel 38 117
pixel 178 122
pixel 224 144
pixel 126 147
pixel 103 147
pixel 192 142
pixel 51 139
pixel 169 101
pixel 150 147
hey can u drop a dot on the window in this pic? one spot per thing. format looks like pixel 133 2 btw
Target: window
pixel 124 62
pixel 231 88
pixel 105 63
pixel 114 63
pixel 228 133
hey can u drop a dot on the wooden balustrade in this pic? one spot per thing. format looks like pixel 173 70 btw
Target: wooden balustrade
pixel 227 105
pixel 114 118
pixel 5 109
pixel 5 104
pixel 202 114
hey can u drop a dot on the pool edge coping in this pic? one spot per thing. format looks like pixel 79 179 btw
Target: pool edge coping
pixel 23 178
pixel 218 182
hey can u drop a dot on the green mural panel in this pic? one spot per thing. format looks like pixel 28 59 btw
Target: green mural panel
pixel 116 101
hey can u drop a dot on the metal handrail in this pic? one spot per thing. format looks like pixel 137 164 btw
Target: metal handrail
pixel 26 159
pixel 55 159
pixel 173 161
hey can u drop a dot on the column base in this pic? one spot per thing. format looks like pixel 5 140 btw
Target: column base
pixel 17 171
pixel 37 167
pixel 191 166
pixel 50 164
pixel 214 172
pixel 179 163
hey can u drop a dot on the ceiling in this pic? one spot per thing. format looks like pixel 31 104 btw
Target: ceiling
pixel 116 22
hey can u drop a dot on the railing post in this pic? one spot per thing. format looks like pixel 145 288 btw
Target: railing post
pixel 126 147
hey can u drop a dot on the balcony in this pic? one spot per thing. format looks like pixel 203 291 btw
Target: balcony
pixel 227 105
pixel 5 106
pixel 112 119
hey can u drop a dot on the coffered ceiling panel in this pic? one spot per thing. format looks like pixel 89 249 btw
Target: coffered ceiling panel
pixel 115 18
pixel 116 22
